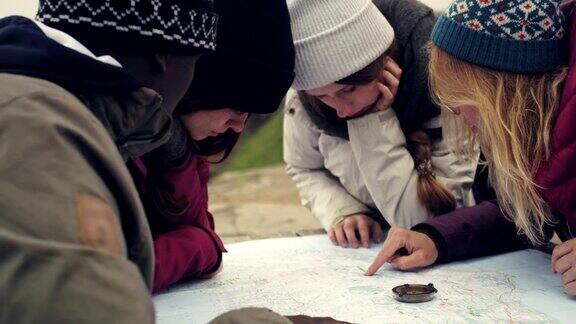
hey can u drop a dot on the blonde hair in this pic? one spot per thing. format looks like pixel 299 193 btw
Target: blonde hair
pixel 517 113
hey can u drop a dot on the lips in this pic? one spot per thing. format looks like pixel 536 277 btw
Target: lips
pixel 366 109
pixel 363 110
pixel 217 132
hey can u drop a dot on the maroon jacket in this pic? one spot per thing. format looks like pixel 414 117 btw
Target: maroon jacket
pixel 176 202
pixel 558 175
pixel 483 229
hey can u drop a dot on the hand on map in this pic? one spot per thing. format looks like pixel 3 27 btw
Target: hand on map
pixel 345 233
pixel 421 251
pixel 388 85
pixel 564 263
pixel 303 319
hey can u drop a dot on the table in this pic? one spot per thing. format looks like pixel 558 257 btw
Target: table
pixel 311 276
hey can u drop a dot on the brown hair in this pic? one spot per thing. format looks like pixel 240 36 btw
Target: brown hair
pixel 516 112
pixel 216 149
pixel 213 150
pixel 433 194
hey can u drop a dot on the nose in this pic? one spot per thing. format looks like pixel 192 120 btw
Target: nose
pixel 238 124
pixel 343 108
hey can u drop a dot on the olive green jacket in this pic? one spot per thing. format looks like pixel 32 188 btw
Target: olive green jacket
pixel 75 246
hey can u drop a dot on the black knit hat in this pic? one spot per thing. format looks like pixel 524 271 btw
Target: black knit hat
pixel 166 26
pixel 253 66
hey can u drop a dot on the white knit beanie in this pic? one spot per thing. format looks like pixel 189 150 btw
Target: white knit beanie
pixel 335 38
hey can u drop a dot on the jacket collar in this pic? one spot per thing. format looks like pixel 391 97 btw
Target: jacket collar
pixel 135 120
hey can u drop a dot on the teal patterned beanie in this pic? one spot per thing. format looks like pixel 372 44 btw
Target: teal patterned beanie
pixel 519 36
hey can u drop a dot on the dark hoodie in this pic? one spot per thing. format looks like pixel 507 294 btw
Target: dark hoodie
pixel 132 115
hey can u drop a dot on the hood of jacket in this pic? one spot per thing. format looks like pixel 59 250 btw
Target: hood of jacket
pixel 131 113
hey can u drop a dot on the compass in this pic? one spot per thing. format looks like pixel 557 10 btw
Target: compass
pixel 413 293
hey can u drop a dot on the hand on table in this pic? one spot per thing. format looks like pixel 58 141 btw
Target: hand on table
pixel 421 250
pixel 345 233
pixel 564 263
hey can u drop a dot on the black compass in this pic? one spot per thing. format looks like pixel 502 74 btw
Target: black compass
pixel 413 293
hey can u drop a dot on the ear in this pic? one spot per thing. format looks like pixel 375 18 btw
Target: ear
pixel 158 63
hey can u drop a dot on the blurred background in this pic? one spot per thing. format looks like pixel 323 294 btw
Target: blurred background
pixel 251 197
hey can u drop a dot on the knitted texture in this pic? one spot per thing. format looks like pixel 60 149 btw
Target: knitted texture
pixel 335 38
pixel 172 24
pixel 519 36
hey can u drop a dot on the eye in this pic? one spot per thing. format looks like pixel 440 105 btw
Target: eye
pixel 348 89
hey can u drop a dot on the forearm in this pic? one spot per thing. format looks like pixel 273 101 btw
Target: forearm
pixel 320 192
pixel 473 232
pixel 188 252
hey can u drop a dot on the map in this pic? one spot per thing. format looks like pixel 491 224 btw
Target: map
pixel 308 275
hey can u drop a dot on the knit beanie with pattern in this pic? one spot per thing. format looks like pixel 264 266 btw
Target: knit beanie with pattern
pixel 335 38
pixel 518 36
pixel 166 26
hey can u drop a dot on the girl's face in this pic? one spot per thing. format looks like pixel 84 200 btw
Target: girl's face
pixel 205 123
pixel 349 101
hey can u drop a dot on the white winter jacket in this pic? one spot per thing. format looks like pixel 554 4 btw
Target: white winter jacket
pixel 374 170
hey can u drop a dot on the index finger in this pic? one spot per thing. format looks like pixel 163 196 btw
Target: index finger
pixel 391 81
pixel 393 68
pixel 387 97
pixel 332 236
pixel 388 250
pixel 364 230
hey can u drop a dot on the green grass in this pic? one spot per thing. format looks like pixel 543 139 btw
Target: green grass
pixel 262 148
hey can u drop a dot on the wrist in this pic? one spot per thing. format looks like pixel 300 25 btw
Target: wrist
pixel 217 266
pixel 436 238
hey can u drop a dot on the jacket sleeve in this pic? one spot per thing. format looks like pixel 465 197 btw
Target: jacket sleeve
pixel 320 191
pixel 63 200
pixel 470 232
pixel 188 246
pixel 387 168
pixel 187 252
